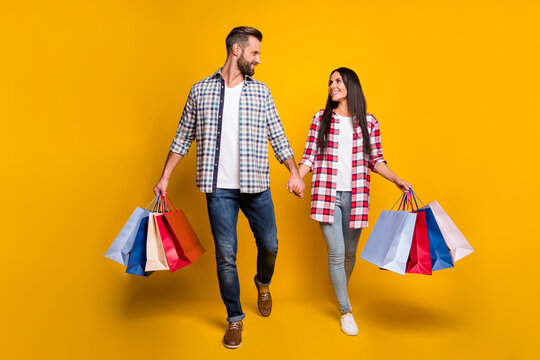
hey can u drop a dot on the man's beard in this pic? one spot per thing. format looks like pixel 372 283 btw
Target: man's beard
pixel 245 66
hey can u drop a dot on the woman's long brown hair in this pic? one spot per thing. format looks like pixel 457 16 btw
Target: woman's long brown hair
pixel 357 109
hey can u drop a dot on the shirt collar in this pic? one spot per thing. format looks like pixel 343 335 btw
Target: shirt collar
pixel 247 78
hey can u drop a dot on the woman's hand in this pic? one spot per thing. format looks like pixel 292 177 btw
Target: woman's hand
pixel 295 185
pixel 402 185
pixel 388 174
pixel 303 170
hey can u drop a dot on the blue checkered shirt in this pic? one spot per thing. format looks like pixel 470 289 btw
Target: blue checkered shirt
pixel 259 124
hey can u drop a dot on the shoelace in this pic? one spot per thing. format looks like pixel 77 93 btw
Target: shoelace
pixel 349 321
pixel 265 296
pixel 234 325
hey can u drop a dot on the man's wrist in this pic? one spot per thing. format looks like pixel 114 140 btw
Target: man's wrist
pixel 295 172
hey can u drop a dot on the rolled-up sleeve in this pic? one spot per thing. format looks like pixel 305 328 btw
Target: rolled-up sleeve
pixel 310 150
pixel 276 134
pixel 376 145
pixel 185 134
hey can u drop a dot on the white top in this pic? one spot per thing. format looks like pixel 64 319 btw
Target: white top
pixel 345 147
pixel 229 154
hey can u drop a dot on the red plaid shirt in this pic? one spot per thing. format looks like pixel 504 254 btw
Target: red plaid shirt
pixel 325 168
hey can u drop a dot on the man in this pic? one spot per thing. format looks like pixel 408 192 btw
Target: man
pixel 233 117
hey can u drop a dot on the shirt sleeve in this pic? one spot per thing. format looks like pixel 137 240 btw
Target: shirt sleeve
pixel 185 134
pixel 276 134
pixel 310 150
pixel 376 146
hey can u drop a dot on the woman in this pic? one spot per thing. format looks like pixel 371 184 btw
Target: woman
pixel 343 145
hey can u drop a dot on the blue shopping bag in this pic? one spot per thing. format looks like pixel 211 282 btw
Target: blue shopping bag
pixel 440 255
pixel 122 245
pixel 439 252
pixel 137 257
pixel 389 243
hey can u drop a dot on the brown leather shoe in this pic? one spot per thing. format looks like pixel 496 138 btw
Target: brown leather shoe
pixel 264 301
pixel 233 336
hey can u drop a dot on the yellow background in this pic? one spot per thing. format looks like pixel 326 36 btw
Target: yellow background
pixel 90 97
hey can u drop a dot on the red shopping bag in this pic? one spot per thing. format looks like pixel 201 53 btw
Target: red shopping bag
pixel 173 251
pixel 419 261
pixel 182 234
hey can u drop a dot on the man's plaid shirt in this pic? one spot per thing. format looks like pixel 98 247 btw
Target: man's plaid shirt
pixel 325 168
pixel 258 124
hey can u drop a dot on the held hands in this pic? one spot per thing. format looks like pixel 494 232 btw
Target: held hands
pixel 296 185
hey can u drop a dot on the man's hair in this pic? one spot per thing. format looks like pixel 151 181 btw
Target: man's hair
pixel 240 35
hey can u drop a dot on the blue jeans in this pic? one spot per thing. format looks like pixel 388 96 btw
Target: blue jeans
pixel 341 243
pixel 223 206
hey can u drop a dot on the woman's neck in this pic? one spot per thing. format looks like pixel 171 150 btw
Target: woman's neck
pixel 343 108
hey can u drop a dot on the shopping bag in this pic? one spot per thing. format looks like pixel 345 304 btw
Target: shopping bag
pixel 184 237
pixel 173 251
pixel 456 242
pixel 123 243
pixel 155 255
pixel 419 261
pixel 137 257
pixel 389 243
pixel 440 255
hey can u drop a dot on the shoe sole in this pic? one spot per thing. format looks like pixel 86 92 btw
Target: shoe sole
pixel 349 334
pixel 232 346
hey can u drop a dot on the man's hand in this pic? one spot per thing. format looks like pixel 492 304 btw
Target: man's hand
pixel 161 187
pixel 296 185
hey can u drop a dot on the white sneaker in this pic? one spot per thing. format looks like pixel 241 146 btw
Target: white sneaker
pixel 348 326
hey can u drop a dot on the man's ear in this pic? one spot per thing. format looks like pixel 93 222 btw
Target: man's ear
pixel 236 50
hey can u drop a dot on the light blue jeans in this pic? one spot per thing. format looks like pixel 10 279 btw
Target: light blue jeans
pixel 341 243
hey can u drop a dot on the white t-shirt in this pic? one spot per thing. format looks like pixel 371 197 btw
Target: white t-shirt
pixel 229 153
pixel 345 146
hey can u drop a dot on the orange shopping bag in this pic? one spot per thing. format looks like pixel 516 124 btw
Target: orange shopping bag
pixel 183 236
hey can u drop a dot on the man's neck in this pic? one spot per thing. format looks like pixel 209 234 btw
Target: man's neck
pixel 231 74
